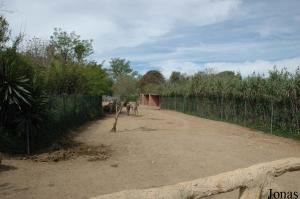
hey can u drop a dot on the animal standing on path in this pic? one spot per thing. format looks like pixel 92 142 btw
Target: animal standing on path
pixel 128 107
pixel 135 108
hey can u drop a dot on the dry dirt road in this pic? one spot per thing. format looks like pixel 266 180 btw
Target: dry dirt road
pixel 157 148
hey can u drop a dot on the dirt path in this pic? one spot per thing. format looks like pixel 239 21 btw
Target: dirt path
pixel 157 148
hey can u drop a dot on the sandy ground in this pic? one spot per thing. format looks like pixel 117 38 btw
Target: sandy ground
pixel 157 148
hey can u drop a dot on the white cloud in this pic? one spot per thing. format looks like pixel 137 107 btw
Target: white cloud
pixel 245 68
pixel 258 66
pixel 271 28
pixel 163 34
pixel 168 66
pixel 218 48
pixel 116 23
pixel 191 53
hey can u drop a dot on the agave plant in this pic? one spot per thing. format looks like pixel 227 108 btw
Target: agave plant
pixel 14 86
pixel 29 120
pixel 21 100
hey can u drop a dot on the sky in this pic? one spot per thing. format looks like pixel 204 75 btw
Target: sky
pixel 173 35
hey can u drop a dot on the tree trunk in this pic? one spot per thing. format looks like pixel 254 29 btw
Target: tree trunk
pixel 245 112
pixel 253 183
pixel 272 115
pixel 118 111
pixel 28 141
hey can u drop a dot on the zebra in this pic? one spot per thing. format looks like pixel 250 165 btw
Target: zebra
pixel 128 107
pixel 135 108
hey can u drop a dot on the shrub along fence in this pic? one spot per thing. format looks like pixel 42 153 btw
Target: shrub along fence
pixel 280 117
pixel 62 114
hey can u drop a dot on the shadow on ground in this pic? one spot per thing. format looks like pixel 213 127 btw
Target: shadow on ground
pixel 4 167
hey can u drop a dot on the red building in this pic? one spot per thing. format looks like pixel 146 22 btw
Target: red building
pixel 150 99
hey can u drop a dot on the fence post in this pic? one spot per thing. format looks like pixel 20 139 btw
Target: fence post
pixel 272 115
pixel 182 103
pixel 64 104
pixel 222 111
pixel 245 111
pixel 297 120
pixel 167 102
pixel 175 103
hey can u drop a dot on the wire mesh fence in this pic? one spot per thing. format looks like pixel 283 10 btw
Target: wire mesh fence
pixel 62 114
pixel 68 112
pixel 281 118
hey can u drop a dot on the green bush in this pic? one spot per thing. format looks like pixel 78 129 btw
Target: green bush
pixel 268 103
pixel 46 90
pixel 65 113
pixel 62 114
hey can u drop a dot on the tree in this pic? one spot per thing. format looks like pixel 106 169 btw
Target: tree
pixel 4 32
pixel 82 49
pixel 119 107
pixel 69 45
pixel 97 80
pixel 66 78
pixel 175 77
pixel 39 51
pixel 151 81
pixel 20 107
pixel 120 67
pixel 125 87
pixel 125 84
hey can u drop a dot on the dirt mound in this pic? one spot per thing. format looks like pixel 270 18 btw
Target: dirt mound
pixel 68 149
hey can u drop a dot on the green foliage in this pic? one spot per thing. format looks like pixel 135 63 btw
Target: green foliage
pixel 59 115
pixel 267 103
pixel 152 88
pixel 120 67
pixel 97 81
pixel 69 73
pixel 21 107
pixel 151 82
pixel 124 79
pixel 15 92
pixel 65 113
pixel 4 32
pixel 125 87
pixel 69 45
pixel 40 52
pixel 65 78
pixel 88 79
pixel 178 84
pixel 46 89
pixel 175 77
